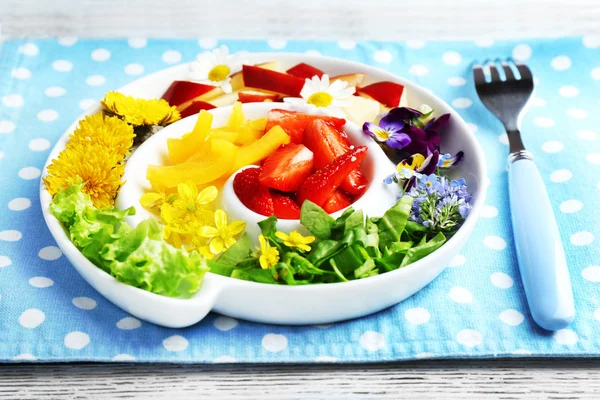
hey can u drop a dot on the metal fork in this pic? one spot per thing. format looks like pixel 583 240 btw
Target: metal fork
pixel 540 253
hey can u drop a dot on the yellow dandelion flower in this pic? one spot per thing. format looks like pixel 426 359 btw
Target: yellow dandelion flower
pixel 109 132
pixel 222 234
pixel 269 256
pixel 155 200
pixel 97 166
pixel 138 112
pixel 294 239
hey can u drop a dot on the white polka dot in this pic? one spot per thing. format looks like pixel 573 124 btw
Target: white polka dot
pixel 5 261
pixel 175 343
pixel 591 42
pixel 84 303
pixel 67 41
pixel 137 43
pixel 511 317
pixel 123 357
pixel 347 44
pixel 561 175
pixel 582 238
pixel 129 323
pixel 456 81
pixel 417 316
pixel 134 69
pixel 20 73
pixel 62 65
pixel 12 100
pixel 372 341
pixel 95 80
pixel 474 128
pixel 77 340
pixel 32 318
pixel 41 282
pixel 597 315
pixel 553 146
pixel 39 144
pixel 10 235
pixel 19 204
pixel 274 343
pixel 415 44
pixel 418 70
pixel 1 155
pixel 489 211
pixel 544 122
pixel 462 102
pixel 522 352
pixel 460 295
pixel 171 56
pixel 591 274
pixel 484 43
pixel 312 53
pixel 595 74
pixel 421 356
pixel 567 337
pixel 452 58
pixel 594 158
pixel 383 56
pixel 47 115
pixel 494 242
pixel 538 102
pixel 207 43
pixel 561 63
pixel 522 52
pixel 501 280
pixel 29 49
pixel 225 323
pixel 577 113
pixel 6 126
pixel 469 337
pixel 277 43
pixel 568 91
pixel 457 261
pixel 503 138
pixel 325 359
pixel 100 55
pixel 55 91
pixel 25 357
pixel 225 360
pixel 571 206
pixel 88 103
pixel 50 253
pixel 582 134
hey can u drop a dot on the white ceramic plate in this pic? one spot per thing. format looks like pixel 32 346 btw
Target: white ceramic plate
pixel 312 304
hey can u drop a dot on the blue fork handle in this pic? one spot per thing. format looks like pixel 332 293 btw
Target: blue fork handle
pixel 540 252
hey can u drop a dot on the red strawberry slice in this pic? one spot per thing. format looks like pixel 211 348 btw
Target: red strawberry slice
pixel 327 142
pixel 251 193
pixel 320 186
pixel 305 71
pixel 285 207
pixel 287 168
pixel 294 123
pixel 336 202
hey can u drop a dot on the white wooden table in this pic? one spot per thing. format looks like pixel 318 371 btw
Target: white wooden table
pixel 331 19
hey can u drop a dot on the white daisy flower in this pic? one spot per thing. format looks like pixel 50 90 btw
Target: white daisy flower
pixel 215 68
pixel 318 93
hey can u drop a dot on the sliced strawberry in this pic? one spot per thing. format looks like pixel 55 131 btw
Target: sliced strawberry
pixel 251 193
pixel 336 202
pixel 287 168
pixel 319 187
pixel 305 71
pixel 327 143
pixel 285 207
pixel 294 123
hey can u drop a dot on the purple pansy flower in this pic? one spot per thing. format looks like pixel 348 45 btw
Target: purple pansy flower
pixel 448 161
pixel 389 131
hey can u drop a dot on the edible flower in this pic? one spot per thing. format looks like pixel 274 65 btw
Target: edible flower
pixel 412 168
pixel 140 112
pixel 388 131
pixel 449 161
pixel 215 68
pixel 111 133
pixel 295 239
pixel 223 234
pixel 319 93
pixel 269 256
pixel 155 200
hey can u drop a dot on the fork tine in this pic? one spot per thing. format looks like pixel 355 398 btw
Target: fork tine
pixel 478 75
pixel 494 72
pixel 508 72
pixel 525 72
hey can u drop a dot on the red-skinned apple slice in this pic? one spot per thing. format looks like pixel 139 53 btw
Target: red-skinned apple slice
pixel 195 108
pixel 352 79
pixel 181 92
pixel 387 93
pixel 237 79
pixel 304 71
pixel 255 96
pixel 273 81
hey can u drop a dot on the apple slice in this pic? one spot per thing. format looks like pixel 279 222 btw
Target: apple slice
pixel 387 93
pixel 273 81
pixel 195 107
pixel 304 71
pixel 255 96
pixel 237 79
pixel 362 109
pixel 225 99
pixel 181 92
pixel 352 79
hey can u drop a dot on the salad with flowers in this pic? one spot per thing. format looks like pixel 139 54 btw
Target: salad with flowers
pixel 290 165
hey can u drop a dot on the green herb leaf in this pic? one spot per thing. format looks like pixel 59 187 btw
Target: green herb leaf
pixel 238 252
pixel 423 249
pixel 316 220
pixel 393 222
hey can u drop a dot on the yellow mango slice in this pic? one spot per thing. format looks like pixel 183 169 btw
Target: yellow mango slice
pixel 181 149
pixel 251 131
pixel 261 148
pixel 237 118
pixel 200 170
pixel 222 133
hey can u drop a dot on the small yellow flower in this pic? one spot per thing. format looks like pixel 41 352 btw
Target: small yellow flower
pixel 155 200
pixel 138 112
pixel 269 256
pixel 109 132
pixel 294 239
pixel 222 234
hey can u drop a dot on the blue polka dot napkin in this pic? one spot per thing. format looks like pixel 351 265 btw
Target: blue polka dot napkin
pixel 476 308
